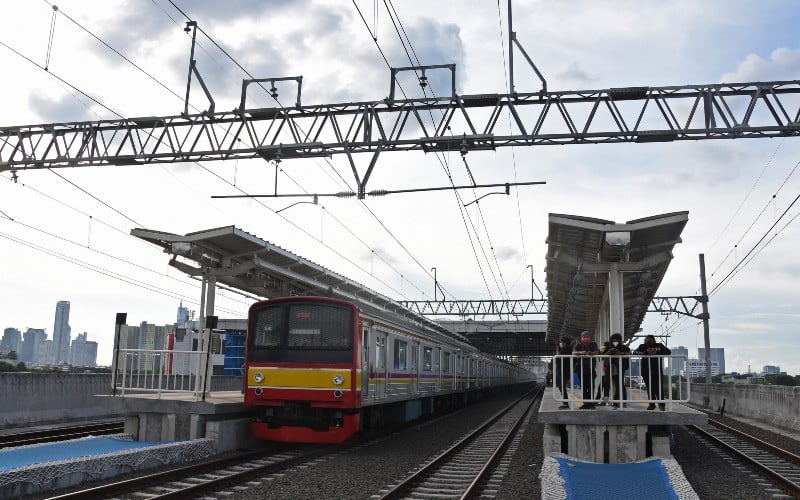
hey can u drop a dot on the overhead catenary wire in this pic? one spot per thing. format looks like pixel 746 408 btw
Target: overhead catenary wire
pixel 459 201
pixel 109 109
pixel 384 227
pixel 501 286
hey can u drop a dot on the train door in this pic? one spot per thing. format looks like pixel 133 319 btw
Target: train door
pixel 380 365
pixel 365 368
pixel 437 367
pixel 414 368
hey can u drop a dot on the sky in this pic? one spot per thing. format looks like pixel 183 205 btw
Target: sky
pixel 65 233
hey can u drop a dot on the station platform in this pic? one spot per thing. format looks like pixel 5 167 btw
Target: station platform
pixel 607 434
pixel 38 468
pixel 175 416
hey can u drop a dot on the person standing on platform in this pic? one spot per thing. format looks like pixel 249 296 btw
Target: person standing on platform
pixel 615 347
pixel 585 366
pixel 562 369
pixel 651 369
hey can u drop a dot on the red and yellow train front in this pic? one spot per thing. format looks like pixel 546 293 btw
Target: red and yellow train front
pixel 303 378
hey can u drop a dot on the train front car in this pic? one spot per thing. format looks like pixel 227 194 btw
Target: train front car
pixel 302 372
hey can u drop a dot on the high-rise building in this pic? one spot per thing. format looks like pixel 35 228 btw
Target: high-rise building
pixel 44 353
pixel 771 370
pixel 717 355
pixel 61 334
pixel 30 344
pixel 12 340
pixel 696 368
pixel 83 352
pixel 679 364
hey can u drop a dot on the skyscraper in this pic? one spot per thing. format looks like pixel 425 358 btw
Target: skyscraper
pixel 12 340
pixel 83 352
pixel 679 364
pixel 61 334
pixel 717 355
pixel 30 344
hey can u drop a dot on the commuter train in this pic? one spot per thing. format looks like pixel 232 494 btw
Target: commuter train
pixel 320 369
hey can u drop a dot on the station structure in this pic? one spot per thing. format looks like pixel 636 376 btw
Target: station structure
pixel 601 277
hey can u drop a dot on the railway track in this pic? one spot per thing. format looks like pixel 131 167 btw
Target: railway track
pixel 460 470
pixel 780 466
pixel 196 480
pixel 61 433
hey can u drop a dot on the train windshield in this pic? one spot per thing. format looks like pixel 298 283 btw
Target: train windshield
pixel 303 326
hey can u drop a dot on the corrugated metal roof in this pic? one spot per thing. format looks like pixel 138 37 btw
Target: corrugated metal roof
pixel 579 253
pixel 245 262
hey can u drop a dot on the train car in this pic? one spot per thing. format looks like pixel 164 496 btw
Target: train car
pixel 319 369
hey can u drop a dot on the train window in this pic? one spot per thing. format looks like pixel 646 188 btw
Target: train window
pixel 427 359
pixel 318 326
pixel 267 327
pixel 380 352
pixel 446 362
pixel 400 347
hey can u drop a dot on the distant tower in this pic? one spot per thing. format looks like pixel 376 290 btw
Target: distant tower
pixel 30 344
pixel 717 354
pixel 184 315
pixel 12 340
pixel 61 334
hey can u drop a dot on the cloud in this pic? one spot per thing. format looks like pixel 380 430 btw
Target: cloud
pixel 782 64
pixel 59 109
pixel 575 74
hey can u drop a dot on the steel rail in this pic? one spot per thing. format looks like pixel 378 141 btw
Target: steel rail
pixel 60 434
pixel 398 490
pixel 793 487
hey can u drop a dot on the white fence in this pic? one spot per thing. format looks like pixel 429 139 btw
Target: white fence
pixel 162 371
pixel 619 379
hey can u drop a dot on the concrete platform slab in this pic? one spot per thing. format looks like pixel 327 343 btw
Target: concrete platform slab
pixel 632 414
pixel 216 403
pixel 41 468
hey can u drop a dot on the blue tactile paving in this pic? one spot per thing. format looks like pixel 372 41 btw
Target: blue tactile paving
pixel 12 458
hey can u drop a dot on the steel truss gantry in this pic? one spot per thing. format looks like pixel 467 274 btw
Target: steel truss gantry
pixel 458 123
pixel 686 306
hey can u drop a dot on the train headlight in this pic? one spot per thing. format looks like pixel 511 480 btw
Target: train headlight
pixel 258 377
pixel 338 379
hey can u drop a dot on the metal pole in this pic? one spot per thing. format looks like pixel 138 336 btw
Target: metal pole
pixel 435 284
pixel 511 36
pixel 120 320
pixel 704 301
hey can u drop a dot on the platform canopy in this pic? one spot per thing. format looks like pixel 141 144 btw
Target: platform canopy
pixel 237 259
pixel 597 269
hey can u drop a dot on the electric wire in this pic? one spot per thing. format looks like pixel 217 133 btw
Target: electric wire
pixel 103 271
pixel 506 74
pixel 771 201
pixel 459 201
pixel 501 286
pixel 370 211
pixel 741 262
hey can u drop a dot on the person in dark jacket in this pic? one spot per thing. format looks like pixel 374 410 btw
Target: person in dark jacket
pixel 562 369
pixel 611 374
pixel 652 374
pixel 585 367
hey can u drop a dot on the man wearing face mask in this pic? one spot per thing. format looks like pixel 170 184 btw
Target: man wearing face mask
pixel 562 370
pixel 585 366
pixel 654 379
pixel 612 375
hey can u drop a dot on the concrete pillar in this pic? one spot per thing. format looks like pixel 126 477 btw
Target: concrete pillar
pixel 615 300
pixel 586 442
pixel 132 426
pixel 197 426
pixel 622 444
pixel 551 439
pixel 168 427
pixel 641 442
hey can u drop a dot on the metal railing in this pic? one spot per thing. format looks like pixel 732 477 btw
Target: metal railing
pixel 603 378
pixel 162 371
